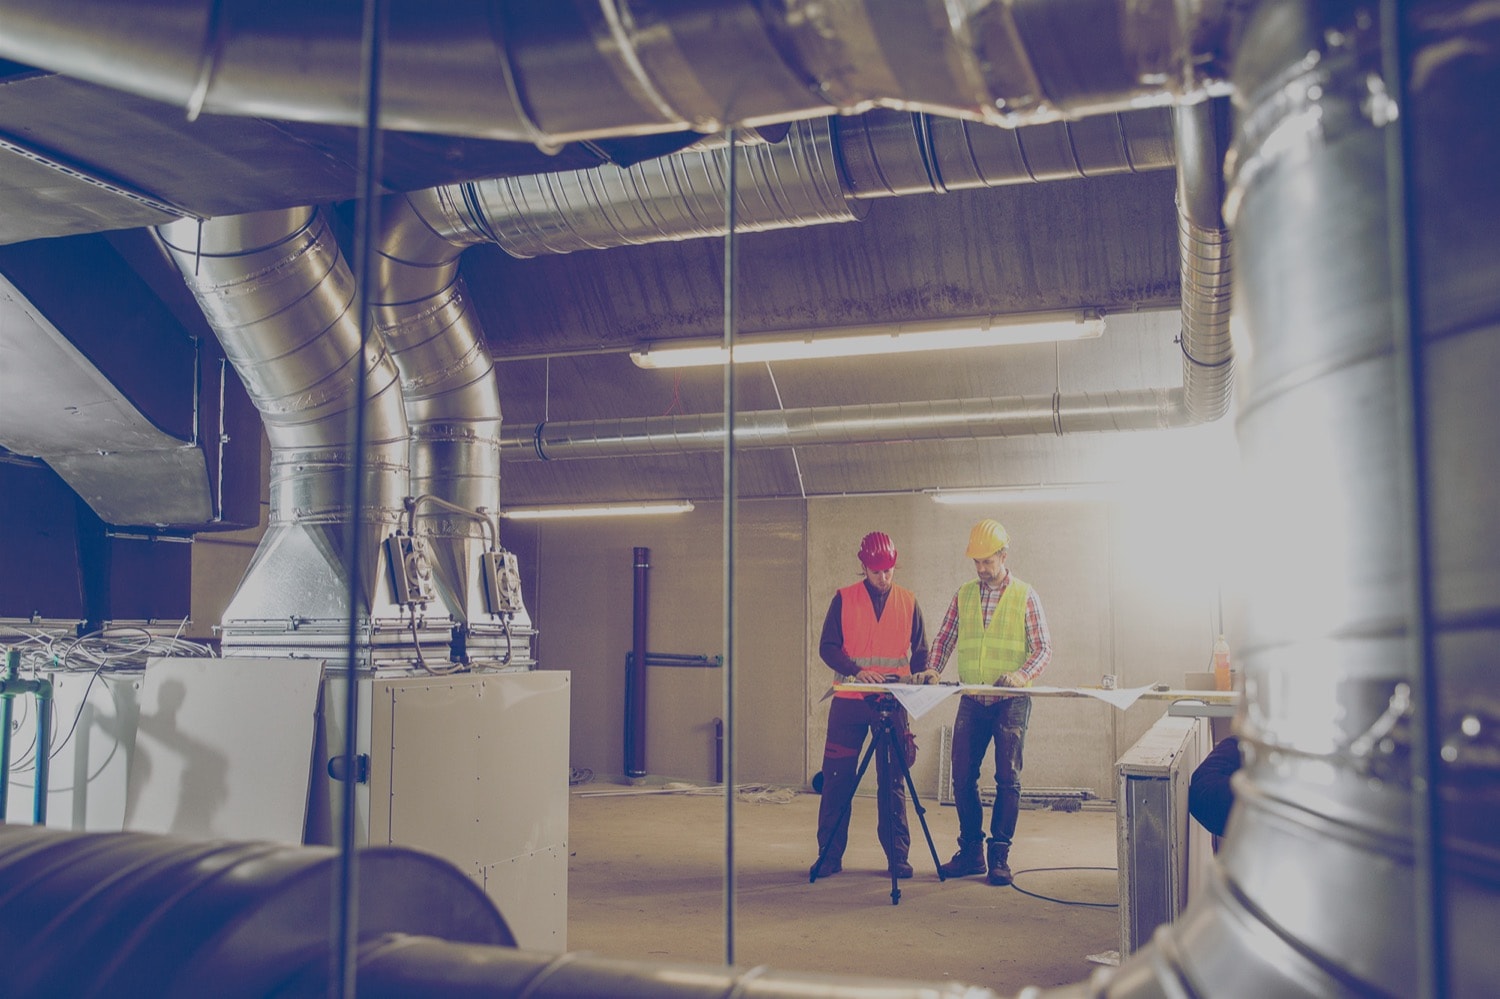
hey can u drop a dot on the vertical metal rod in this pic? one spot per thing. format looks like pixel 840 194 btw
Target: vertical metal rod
pixel 197 389
pixel 12 670
pixel 1411 403
pixel 341 983
pixel 223 439
pixel 729 522
pixel 43 752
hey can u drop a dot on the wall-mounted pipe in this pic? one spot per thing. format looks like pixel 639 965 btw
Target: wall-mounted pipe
pixel 1013 416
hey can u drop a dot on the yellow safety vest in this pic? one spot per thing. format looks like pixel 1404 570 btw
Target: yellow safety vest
pixel 985 653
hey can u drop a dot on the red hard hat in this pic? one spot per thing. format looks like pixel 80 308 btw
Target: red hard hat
pixel 877 551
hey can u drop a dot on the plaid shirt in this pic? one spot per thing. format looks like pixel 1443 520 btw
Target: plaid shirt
pixel 1038 644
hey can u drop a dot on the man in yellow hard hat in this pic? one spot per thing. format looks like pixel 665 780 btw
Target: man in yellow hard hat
pixel 995 629
pixel 872 633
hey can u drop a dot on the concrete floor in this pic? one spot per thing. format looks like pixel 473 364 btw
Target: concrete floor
pixel 646 883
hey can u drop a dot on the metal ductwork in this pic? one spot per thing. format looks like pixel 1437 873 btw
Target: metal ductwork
pixel 424 316
pixel 893 147
pixel 1361 854
pixel 781 184
pixel 549 73
pixel 1360 859
pixel 280 298
pixel 88 914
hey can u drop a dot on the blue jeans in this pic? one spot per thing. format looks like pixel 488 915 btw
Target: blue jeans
pixel 1003 721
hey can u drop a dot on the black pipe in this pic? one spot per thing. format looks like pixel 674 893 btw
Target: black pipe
pixel 635 674
pixel 718 750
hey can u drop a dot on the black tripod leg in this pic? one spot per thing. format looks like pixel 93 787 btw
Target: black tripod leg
pixel 887 738
pixel 844 814
pixel 921 813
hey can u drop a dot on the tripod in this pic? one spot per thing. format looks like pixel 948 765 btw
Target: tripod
pixel 884 738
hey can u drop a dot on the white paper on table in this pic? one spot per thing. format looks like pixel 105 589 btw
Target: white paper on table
pixel 918 699
pixel 1121 698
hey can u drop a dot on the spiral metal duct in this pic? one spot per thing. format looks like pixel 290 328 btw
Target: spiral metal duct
pixel 424 316
pixel 552 73
pixel 280 298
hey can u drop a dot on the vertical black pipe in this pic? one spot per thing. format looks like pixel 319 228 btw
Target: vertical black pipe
pixel 635 674
pixel 718 750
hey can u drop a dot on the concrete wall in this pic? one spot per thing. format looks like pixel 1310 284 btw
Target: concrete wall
pixel 1131 577
pixel 578 580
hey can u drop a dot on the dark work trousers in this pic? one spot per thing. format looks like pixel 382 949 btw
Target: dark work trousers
pixel 849 721
pixel 1002 719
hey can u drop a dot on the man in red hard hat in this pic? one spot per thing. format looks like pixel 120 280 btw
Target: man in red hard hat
pixel 873 633
pixel 995 631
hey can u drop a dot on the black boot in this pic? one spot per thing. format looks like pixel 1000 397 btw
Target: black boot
pixel 999 853
pixel 968 860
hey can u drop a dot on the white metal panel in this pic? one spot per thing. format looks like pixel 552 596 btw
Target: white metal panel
pixel 223 748
pixel 93 737
pixel 478 774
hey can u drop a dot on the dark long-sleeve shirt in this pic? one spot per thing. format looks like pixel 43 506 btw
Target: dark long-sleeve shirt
pixel 831 644
pixel 1210 794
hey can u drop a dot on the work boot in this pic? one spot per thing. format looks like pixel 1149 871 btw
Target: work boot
pixel 968 860
pixel 829 867
pixel 999 869
pixel 902 869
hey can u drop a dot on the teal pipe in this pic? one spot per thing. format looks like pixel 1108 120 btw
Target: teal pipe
pixel 11 686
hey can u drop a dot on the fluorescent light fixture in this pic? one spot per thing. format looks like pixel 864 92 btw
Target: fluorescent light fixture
pixel 1075 492
pixel 861 341
pixel 596 510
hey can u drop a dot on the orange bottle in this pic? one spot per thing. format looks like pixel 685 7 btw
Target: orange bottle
pixel 1221 664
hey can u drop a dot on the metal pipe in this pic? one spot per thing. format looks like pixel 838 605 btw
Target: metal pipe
pixel 528 75
pixel 281 299
pixel 635 674
pixel 12 668
pixel 43 753
pixel 1138 409
pixel 1325 823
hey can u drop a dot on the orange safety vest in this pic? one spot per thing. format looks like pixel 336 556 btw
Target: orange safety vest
pixel 882 644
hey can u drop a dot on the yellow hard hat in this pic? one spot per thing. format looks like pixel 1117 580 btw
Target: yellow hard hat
pixel 987 538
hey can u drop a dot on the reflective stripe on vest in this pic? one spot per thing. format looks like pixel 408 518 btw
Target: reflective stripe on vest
pixel 984 653
pixel 882 644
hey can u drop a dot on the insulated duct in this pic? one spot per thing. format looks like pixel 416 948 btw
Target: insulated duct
pixel 553 73
pixel 131 914
pixel 280 298
pixel 1361 857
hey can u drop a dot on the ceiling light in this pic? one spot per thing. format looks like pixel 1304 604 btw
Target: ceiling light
pixel 1076 492
pixel 860 341
pixel 596 510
